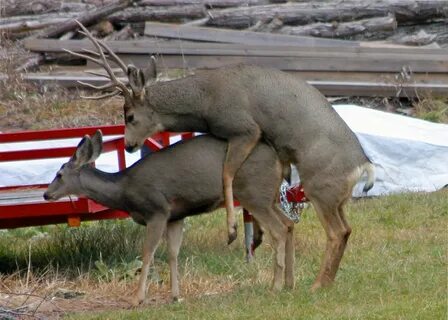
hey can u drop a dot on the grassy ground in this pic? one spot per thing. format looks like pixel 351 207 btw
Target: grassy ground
pixel 395 267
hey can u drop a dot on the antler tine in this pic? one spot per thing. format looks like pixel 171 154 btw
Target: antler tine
pixel 103 96
pixel 103 87
pixel 85 56
pixel 97 74
pixel 93 53
pixel 116 59
pixel 105 64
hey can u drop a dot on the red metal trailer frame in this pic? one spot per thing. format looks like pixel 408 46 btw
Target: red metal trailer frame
pixel 40 212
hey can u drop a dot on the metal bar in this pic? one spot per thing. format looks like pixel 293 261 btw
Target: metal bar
pixel 36 135
pixel 248 234
pixel 120 154
pixel 57 219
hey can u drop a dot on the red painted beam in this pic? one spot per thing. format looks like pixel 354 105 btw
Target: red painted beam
pixel 36 135
pixel 62 218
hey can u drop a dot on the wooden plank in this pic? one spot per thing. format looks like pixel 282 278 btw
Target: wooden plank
pixel 79 73
pixel 306 63
pixel 329 88
pixel 179 47
pixel 175 31
pixel 335 88
pixel 288 58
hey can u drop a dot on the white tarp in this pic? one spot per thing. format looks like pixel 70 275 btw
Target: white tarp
pixel 409 154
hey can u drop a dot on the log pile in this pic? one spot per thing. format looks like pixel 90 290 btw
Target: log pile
pixel 327 19
pixel 210 33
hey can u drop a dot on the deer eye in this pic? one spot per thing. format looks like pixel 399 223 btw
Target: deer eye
pixel 130 118
pixel 58 176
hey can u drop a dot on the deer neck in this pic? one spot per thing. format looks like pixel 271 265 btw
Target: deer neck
pixel 180 104
pixel 102 187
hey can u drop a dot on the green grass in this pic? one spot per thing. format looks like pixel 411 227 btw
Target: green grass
pixel 395 266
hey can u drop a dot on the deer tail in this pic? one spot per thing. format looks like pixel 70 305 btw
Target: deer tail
pixel 369 168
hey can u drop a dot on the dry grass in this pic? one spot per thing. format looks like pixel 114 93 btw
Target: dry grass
pixel 27 106
pixel 432 109
pixel 54 295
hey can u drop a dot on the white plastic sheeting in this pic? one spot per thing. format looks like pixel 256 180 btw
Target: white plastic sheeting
pixel 409 154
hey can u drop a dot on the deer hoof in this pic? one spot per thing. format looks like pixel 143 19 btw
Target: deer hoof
pixel 316 286
pixel 319 285
pixel 136 301
pixel 232 237
pixel 232 234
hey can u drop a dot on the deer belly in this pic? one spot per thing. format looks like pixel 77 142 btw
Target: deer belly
pixel 182 208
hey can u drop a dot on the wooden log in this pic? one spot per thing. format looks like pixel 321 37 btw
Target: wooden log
pixel 420 38
pixel 166 14
pixel 13 8
pixel 343 29
pixel 32 63
pixel 174 31
pixel 56 31
pixel 23 7
pixel 30 25
pixel 304 13
pixel 40 17
pixel 85 19
pixel 124 34
pixel 267 26
pixel 206 3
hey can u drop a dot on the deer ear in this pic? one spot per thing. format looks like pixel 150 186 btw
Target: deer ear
pixel 97 145
pixel 135 80
pixel 83 152
pixel 150 72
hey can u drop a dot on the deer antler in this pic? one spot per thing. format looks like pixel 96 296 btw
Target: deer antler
pixel 102 61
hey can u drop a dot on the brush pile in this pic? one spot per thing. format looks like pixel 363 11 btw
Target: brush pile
pixel 397 47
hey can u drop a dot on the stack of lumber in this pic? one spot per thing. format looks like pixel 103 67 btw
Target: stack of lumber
pixel 307 39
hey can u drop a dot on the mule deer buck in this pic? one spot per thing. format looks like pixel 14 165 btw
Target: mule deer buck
pixel 242 104
pixel 163 188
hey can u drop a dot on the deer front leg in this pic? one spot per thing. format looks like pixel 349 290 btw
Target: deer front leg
pixel 174 235
pixel 238 150
pixel 154 232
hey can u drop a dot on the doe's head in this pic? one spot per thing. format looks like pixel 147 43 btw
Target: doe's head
pixel 67 180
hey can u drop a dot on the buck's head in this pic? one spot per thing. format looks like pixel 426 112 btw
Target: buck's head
pixel 67 181
pixel 140 119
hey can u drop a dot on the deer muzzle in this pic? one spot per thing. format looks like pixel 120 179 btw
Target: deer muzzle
pixel 131 148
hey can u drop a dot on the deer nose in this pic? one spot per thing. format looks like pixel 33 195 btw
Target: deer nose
pixel 46 197
pixel 130 148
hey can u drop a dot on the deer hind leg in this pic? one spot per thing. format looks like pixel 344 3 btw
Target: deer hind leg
pixel 154 232
pixel 289 249
pixel 338 232
pixel 174 235
pixel 258 234
pixel 270 221
pixel 238 149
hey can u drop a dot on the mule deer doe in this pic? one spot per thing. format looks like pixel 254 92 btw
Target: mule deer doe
pixel 241 104
pixel 163 188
